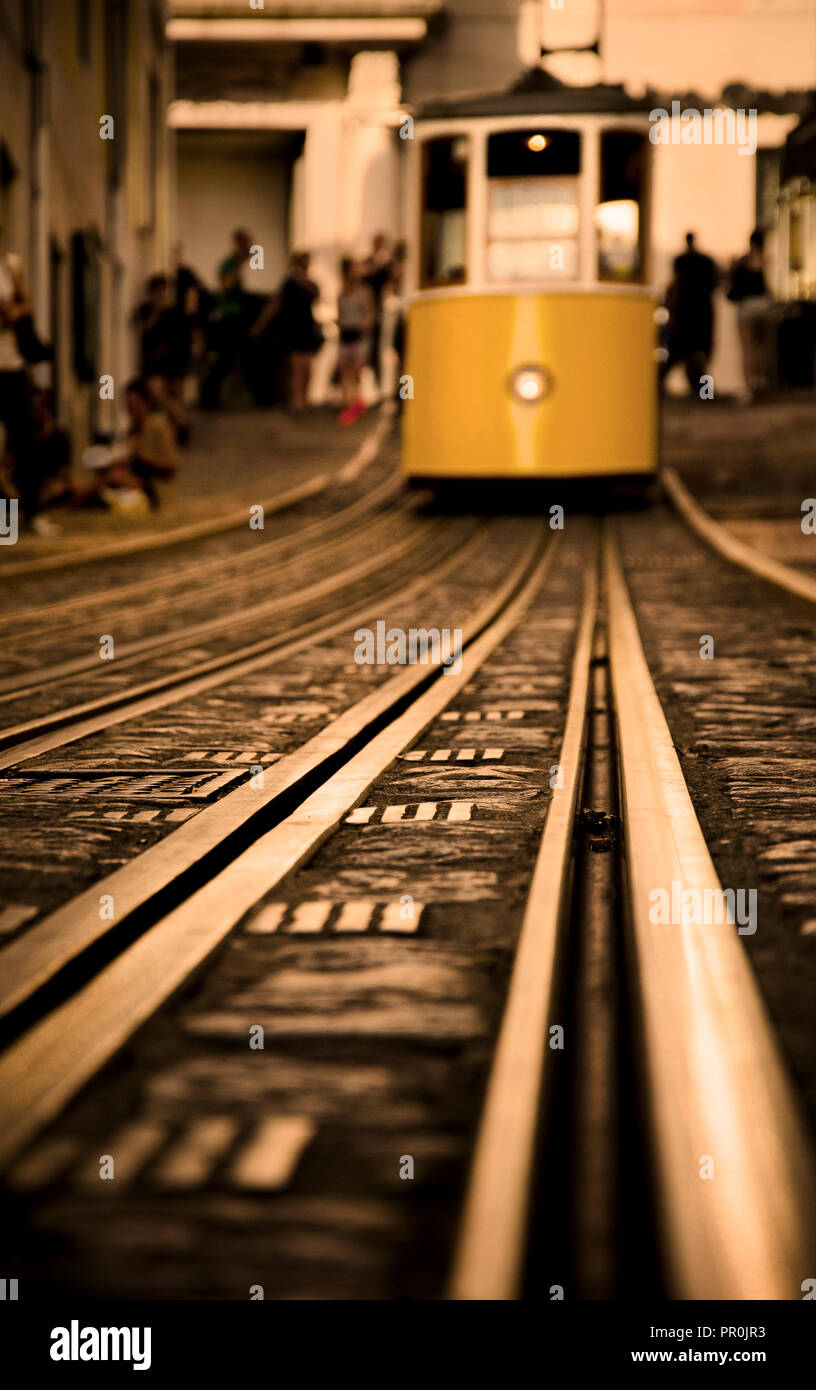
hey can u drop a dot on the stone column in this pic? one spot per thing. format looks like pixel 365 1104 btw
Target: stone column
pixel 371 201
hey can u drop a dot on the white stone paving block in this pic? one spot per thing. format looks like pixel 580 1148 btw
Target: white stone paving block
pixel 269 1158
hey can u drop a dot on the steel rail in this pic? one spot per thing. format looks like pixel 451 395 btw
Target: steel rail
pixel 717 536
pixel 717 1087
pixel 131 653
pixel 48 945
pixel 715 1082
pixel 45 1067
pixel 66 726
pixel 488 1261
pixel 49 615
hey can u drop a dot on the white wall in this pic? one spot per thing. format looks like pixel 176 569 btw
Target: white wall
pixel 226 181
pixel 708 190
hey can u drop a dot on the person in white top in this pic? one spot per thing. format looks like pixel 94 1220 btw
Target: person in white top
pixel 15 404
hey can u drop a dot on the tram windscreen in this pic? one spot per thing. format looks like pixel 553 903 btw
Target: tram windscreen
pixel 619 216
pixel 532 208
pixel 444 196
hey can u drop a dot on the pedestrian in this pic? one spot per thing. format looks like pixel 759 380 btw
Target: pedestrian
pixel 266 366
pixel 378 272
pixel 165 351
pixel 748 289
pixel 150 454
pixel 300 333
pixel 691 314
pixel 228 322
pixel 195 304
pixel 397 291
pixel 186 283
pixel 15 402
pixel 356 315
pixel 51 451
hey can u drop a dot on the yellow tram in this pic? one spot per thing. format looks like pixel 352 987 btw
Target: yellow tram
pixel 530 321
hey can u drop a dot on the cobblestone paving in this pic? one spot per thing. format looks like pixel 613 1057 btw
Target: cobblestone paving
pixel 61 829
pixel 379 1014
pixel 378 971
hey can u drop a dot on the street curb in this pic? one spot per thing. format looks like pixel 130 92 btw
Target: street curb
pixel 364 455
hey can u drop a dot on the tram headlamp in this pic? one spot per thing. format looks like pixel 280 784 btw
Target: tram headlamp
pixel 530 384
pixel 537 142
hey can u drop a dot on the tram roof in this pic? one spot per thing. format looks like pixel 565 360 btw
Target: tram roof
pixel 539 93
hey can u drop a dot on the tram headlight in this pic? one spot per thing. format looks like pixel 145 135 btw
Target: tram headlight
pixel 531 384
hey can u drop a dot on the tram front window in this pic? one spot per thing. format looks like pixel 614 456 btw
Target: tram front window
pixel 444 183
pixel 532 207
pixel 619 221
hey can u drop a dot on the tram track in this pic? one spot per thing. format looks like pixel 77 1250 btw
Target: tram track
pixel 707 1080
pixel 304 542
pixel 785 577
pixel 53 729
pixel 384 550
pixel 713 1081
pixel 46 950
pixel 310 490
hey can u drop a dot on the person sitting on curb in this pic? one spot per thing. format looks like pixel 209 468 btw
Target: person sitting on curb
pixel 147 456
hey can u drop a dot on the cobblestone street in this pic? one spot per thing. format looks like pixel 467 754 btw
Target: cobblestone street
pixel 408 698
pixel 375 969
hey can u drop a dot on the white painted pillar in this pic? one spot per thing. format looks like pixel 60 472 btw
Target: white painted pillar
pixel 371 181
pixel 317 194
pixel 316 217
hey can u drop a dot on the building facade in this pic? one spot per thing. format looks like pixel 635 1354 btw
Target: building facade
pixel 286 121
pixel 288 114
pixel 84 88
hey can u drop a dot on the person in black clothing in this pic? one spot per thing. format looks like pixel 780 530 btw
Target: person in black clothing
pixel 16 471
pixel 749 291
pixel 299 331
pixel 187 283
pixel 691 314
pixel 165 350
pixel 397 289
pixel 50 451
pixel 195 304
pixel 378 272
pixel 228 324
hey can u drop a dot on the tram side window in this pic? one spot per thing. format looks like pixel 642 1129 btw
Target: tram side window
pixel 620 221
pixel 532 208
pixel 444 196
